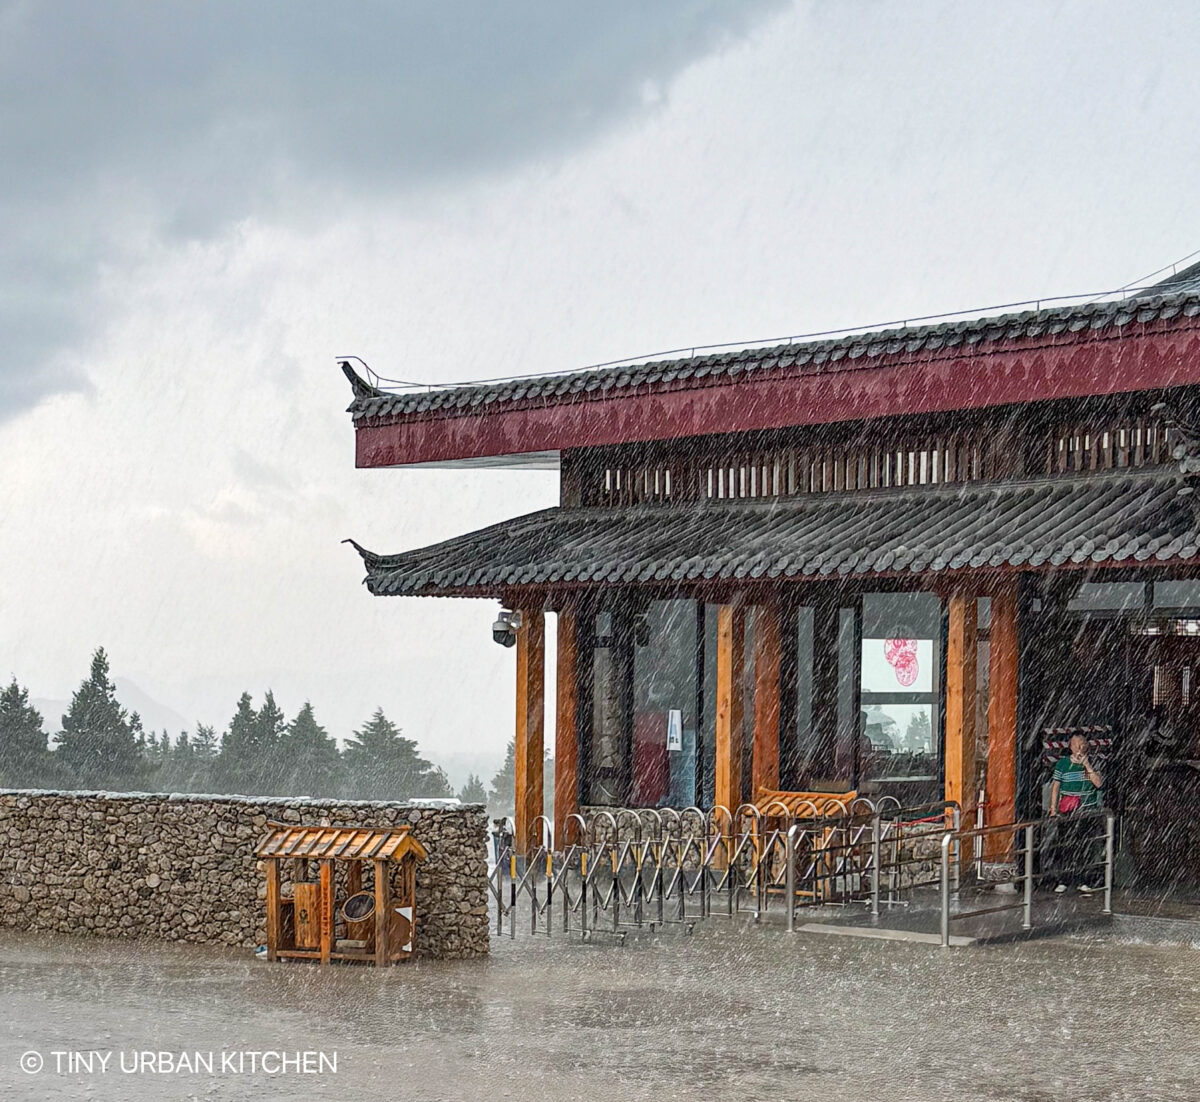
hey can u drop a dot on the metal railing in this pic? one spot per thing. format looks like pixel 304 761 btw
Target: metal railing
pixel 638 867
pixel 635 868
pixel 1020 850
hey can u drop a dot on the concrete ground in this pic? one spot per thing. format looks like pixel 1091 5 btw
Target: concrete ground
pixel 729 1013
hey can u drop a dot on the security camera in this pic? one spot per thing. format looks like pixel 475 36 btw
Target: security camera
pixel 504 630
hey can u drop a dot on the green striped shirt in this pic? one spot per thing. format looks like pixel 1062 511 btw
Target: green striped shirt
pixel 1073 780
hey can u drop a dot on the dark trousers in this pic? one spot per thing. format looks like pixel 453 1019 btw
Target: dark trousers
pixel 1074 852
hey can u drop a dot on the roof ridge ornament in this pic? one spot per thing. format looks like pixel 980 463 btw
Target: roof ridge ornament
pixel 361 388
pixel 370 558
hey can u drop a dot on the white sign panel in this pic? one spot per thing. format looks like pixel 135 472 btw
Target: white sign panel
pixel 897 665
pixel 675 729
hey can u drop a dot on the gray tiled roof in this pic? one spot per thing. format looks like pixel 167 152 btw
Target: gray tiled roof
pixel 1069 520
pixel 1185 282
pixel 834 354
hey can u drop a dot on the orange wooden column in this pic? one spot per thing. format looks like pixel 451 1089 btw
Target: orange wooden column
pixel 727 764
pixel 961 674
pixel 383 913
pixel 273 916
pixel 768 660
pixel 1001 787
pixel 326 896
pixel 530 729
pixel 566 731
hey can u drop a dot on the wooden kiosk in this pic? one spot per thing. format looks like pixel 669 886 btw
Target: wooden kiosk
pixel 881 561
pixel 306 916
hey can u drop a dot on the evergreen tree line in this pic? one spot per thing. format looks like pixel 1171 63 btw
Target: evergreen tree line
pixel 101 746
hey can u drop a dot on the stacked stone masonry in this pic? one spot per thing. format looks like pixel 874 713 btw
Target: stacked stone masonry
pixel 182 868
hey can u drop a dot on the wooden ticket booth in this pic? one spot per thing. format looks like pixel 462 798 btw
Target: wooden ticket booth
pixel 361 905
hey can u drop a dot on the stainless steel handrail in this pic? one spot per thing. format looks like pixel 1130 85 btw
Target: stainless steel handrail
pixel 1028 830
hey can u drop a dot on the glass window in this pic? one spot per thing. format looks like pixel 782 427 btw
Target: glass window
pixel 1108 596
pixel 664 705
pixel 639 698
pixel 708 724
pixel 848 699
pixel 798 761
pixel 900 682
pixel 1183 593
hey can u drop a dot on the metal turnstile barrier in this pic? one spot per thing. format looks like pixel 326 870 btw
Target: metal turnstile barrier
pixel 626 869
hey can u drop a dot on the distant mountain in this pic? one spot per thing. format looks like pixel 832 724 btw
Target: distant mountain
pixel 155 715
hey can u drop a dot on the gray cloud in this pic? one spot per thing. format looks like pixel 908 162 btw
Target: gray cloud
pixel 126 121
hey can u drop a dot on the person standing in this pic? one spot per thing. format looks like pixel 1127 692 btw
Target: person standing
pixel 1074 790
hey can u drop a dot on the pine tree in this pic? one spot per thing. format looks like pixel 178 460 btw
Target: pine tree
pixel 175 764
pixel 155 748
pixel 269 726
pixel 248 761
pixel 309 757
pixel 917 733
pixel 473 791
pixel 24 748
pixel 97 747
pixel 204 742
pixel 181 768
pixel 236 766
pixel 381 764
pixel 205 747
pixel 502 795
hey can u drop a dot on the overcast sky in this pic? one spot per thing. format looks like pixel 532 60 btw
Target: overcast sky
pixel 203 205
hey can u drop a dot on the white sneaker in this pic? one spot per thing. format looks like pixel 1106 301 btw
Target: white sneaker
pixel 1086 889
pixel 1060 889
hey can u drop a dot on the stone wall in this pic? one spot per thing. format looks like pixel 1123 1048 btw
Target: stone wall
pixel 183 867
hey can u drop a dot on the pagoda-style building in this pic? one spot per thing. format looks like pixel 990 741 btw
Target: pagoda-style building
pixel 893 562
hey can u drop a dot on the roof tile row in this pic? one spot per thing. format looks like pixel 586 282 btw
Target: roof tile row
pixel 847 351
pixel 1111 518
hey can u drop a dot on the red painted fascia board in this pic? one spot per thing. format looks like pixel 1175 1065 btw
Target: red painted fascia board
pixel 1133 358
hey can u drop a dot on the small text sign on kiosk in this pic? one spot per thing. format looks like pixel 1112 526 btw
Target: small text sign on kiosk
pixel 675 729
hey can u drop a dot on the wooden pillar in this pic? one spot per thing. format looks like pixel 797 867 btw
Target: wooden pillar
pixel 410 901
pixel 530 728
pixel 727 766
pixel 961 680
pixel 1001 787
pixel 768 649
pixel 326 884
pixel 383 914
pixel 566 727
pixel 272 871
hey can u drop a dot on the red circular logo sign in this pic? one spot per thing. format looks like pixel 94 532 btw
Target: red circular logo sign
pixel 901 655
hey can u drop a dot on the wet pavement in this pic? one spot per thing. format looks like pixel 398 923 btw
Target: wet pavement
pixel 725 1014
